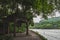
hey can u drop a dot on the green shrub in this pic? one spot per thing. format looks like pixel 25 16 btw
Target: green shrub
pixel 6 37
pixel 22 28
pixel 18 29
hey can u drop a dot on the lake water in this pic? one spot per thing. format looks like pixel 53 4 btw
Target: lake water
pixel 50 34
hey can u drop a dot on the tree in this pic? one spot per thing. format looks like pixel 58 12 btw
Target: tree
pixel 29 8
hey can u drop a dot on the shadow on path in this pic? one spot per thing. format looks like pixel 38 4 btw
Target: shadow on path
pixel 22 36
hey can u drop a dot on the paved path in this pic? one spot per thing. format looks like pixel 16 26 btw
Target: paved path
pixel 31 36
pixel 50 34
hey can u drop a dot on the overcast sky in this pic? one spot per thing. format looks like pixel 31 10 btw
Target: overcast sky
pixel 38 18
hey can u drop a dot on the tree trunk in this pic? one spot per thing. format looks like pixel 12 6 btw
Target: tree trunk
pixel 8 25
pixel 15 18
pixel 27 33
pixel 8 29
pixel 14 30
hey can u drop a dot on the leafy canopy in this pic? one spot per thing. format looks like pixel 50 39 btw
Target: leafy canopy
pixel 29 8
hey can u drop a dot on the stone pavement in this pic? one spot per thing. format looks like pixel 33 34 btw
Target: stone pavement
pixel 22 36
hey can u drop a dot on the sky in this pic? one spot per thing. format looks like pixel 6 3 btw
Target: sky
pixel 38 18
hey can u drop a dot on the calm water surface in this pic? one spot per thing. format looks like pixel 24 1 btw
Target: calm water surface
pixel 50 34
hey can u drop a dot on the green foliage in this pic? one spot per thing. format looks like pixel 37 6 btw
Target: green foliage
pixel 5 37
pixel 11 27
pixel 51 23
pixel 22 28
pixel 10 7
pixel 18 29
pixel 38 6
pixel 28 10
